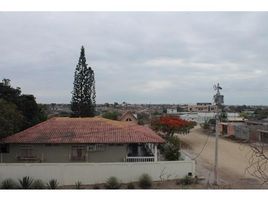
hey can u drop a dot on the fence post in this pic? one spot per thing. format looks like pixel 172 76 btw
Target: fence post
pixel 155 152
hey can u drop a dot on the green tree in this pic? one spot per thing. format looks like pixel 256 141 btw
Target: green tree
pixel 169 125
pixel 111 115
pixel 18 109
pixel 116 104
pixel 11 118
pixel 8 93
pixel 83 100
pixel 143 118
pixel 42 112
pixel 29 108
pixel 223 116
pixel 260 114
pixel 171 149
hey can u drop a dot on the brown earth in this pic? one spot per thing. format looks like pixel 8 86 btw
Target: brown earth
pixel 233 159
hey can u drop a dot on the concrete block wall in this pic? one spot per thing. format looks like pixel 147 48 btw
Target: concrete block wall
pixel 92 173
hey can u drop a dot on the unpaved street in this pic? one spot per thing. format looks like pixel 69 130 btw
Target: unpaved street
pixel 233 159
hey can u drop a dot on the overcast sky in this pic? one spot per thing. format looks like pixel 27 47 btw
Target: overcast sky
pixel 138 57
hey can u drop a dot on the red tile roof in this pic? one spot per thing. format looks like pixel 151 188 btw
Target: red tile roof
pixel 85 130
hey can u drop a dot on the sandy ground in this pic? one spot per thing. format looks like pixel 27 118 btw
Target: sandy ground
pixel 233 160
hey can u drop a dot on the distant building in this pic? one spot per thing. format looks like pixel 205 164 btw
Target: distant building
pixel 199 117
pixel 238 130
pixel 203 104
pixel 263 136
pixel 129 117
pixel 172 111
pixel 202 117
pixel 252 131
pixel 202 107
pixel 258 130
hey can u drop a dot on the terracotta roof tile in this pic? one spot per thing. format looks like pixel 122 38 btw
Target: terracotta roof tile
pixel 85 130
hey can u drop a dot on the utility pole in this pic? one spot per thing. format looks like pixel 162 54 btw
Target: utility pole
pixel 218 100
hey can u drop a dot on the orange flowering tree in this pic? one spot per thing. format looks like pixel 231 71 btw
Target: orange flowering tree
pixel 170 125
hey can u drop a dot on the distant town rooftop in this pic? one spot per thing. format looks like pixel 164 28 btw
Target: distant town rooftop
pixel 203 104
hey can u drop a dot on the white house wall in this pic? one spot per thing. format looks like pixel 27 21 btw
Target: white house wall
pixel 61 153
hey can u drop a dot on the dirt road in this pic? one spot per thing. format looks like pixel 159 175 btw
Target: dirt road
pixel 233 159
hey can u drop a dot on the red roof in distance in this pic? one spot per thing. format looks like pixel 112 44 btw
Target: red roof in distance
pixel 65 130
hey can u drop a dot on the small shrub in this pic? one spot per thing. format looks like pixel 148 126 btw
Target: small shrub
pixel 145 181
pixel 172 148
pixel 8 184
pixel 26 182
pixel 38 184
pixel 52 184
pixel 112 183
pixel 205 125
pixel 78 185
pixel 130 186
pixel 196 180
pixel 187 180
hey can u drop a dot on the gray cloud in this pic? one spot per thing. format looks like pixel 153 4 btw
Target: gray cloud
pixel 138 57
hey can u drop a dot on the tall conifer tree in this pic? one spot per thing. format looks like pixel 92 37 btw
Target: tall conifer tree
pixel 83 100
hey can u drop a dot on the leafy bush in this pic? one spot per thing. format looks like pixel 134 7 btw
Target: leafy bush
pixel 52 184
pixel 26 182
pixel 8 184
pixel 187 180
pixel 78 185
pixel 38 184
pixel 112 183
pixel 171 149
pixel 130 186
pixel 205 125
pixel 111 115
pixel 145 181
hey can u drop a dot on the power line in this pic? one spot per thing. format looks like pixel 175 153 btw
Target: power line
pixel 206 142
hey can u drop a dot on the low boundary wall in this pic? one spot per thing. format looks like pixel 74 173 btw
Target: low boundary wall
pixel 92 173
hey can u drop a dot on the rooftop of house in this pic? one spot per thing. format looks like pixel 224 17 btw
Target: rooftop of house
pixel 128 113
pixel 84 130
pixel 263 131
pixel 258 122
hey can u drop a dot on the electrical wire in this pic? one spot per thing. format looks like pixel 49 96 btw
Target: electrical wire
pixel 202 147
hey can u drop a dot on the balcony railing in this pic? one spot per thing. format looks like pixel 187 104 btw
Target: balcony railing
pixel 139 159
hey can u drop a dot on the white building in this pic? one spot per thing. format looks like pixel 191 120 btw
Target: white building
pixel 172 111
